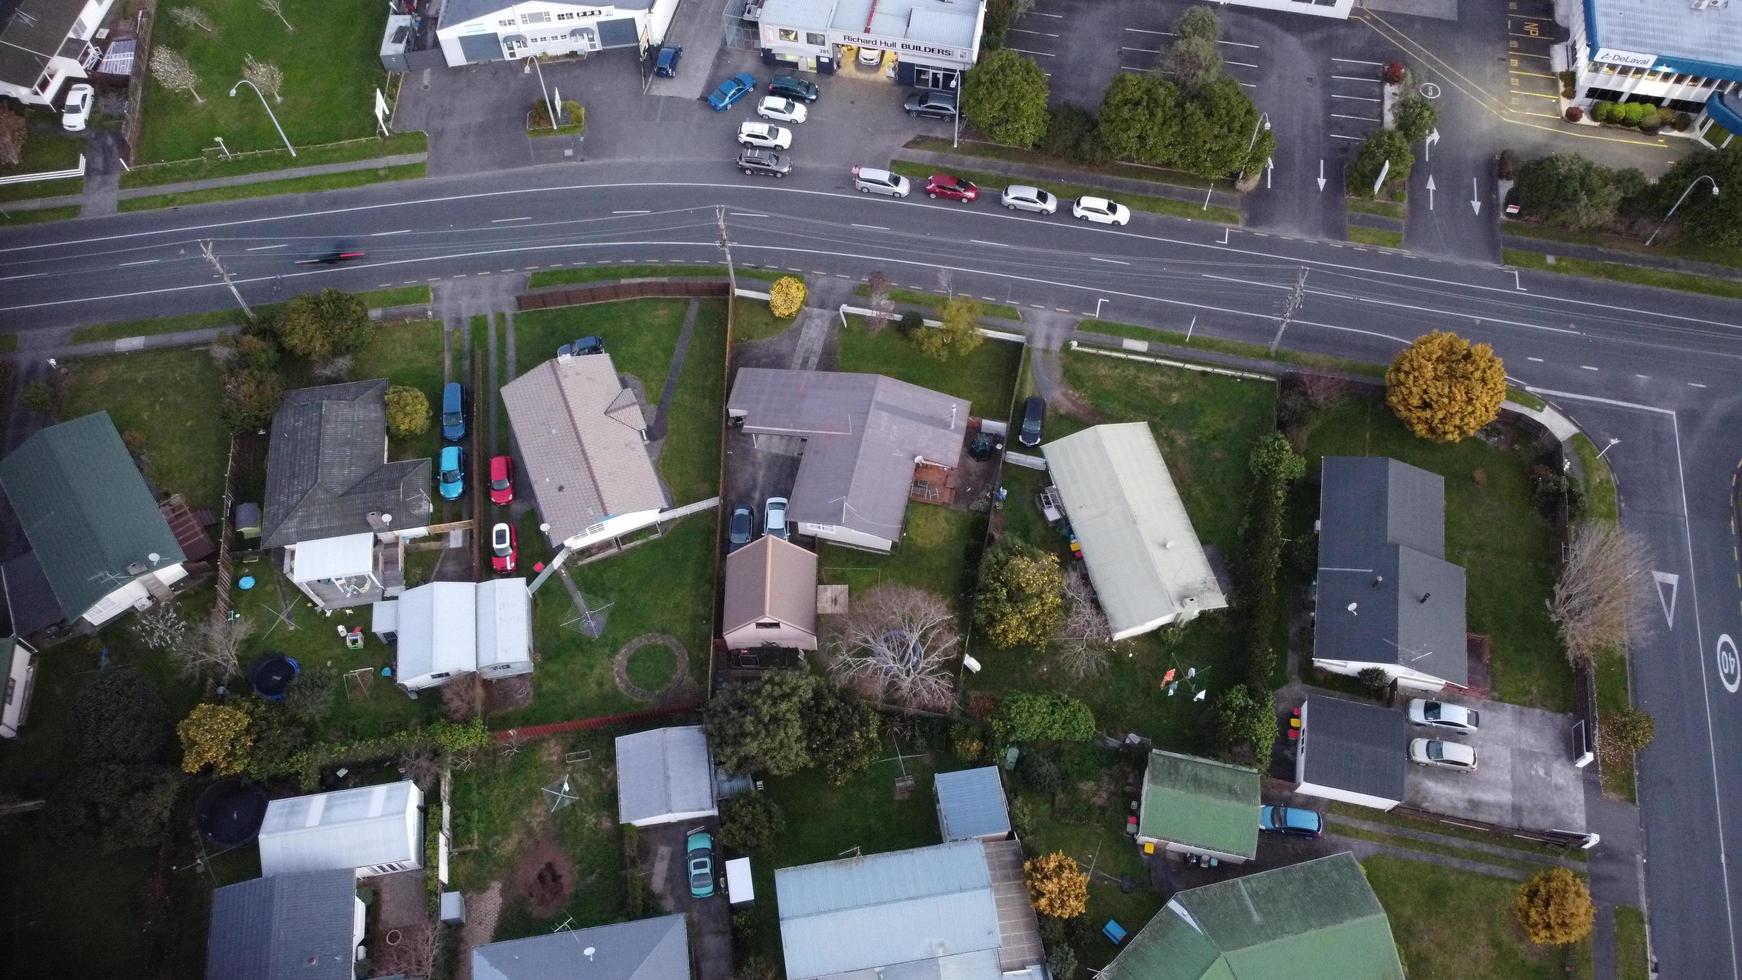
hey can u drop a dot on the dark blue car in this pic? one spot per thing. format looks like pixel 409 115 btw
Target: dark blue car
pixel 665 64
pixel 731 91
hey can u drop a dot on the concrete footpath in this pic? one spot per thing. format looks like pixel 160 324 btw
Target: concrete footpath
pixel 237 180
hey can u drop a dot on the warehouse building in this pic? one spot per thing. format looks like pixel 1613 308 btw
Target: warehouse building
pixel 1683 56
pixel 923 43
pixel 474 31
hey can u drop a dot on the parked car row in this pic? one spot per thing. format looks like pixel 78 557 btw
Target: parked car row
pixel 764 143
pixel 1016 197
pixel 1439 752
pixel 741 529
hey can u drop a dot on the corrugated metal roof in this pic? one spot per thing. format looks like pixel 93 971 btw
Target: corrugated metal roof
pixel 1669 30
pixel 771 578
pixel 1200 803
pixel 438 630
pixel 297 925
pixel 347 828
pixel 645 949
pixel 1139 547
pixel 1356 747
pixel 663 772
pixel 504 622
pixel 971 804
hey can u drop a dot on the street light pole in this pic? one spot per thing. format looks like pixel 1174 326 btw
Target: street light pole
pixel 1678 203
pixel 1613 442
pixel 549 106
pixel 1264 121
pixel 268 109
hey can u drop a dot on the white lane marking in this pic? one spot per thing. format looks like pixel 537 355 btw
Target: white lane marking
pixel 1357 78
pixel 872 227
pixel 1587 367
pixel 1097 258
pixel 1643 377
pixel 1239 44
pixel 1695 384
pixel 1355 98
pixel 632 212
pixel 1139 30
pixel 744 214
pixel 1536 359
pixel 384 234
pixel 1248 85
pixel 262 248
pixel 1141 50
pixel 1356 139
pixel 140 262
pixel 501 221
pixel 1339 115
pixel 27 275
pixel 1357 61
pixel 1239 64
pixel 1390 303
pixel 976 241
pixel 1037 54
pixel 1018 30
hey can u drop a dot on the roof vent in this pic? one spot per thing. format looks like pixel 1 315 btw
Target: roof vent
pixel 136 568
pixel 1378 580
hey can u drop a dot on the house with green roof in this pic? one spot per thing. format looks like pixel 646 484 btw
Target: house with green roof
pixel 1201 807
pixel 1318 920
pixel 99 545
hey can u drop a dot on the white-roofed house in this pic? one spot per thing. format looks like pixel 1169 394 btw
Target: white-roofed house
pixel 445 630
pixel 371 830
pixel 1139 548
pixel 664 776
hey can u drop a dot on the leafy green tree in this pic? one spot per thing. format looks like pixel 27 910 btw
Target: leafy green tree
pixel 759 727
pixel 1567 190
pixel 1444 388
pixel 1415 117
pixel 324 325
pixel 841 732
pixel 1702 217
pixel 117 716
pixel 750 822
pixel 1384 145
pixel 1021 597
pixel 1030 716
pixel 1004 97
pixel 1220 131
pixel 1194 62
pixel 116 805
pixel 960 333
pixel 408 411
pixel 1199 22
pixel 1274 462
pixel 1137 118
pixel 251 396
pixel 1245 719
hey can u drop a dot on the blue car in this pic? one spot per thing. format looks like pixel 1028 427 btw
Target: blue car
pixel 1290 820
pixel 451 481
pixel 453 412
pixel 731 91
pixel 665 64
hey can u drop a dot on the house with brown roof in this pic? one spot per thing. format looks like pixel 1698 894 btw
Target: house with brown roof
pixel 771 596
pixel 583 450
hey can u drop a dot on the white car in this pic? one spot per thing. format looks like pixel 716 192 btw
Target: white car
pixel 765 136
pixel 1446 755
pixel 871 180
pixel 78 108
pixel 781 110
pixel 1100 211
pixel 1440 714
pixel 1021 197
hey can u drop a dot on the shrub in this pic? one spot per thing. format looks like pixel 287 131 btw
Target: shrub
pixel 1246 719
pixel 1061 962
pixel 217 736
pixel 1415 117
pixel 1029 716
pixel 117 716
pixel 1375 678
pixel 324 325
pixel 786 297
pixel 1073 132
pixel 1554 907
pixel 1005 94
pixel 1683 122
pixel 1394 73
pixel 910 324
pixel 1039 772
pixel 1056 885
pixel 114 805
pixel 968 742
pixel 408 412
pixel 1637 112
pixel 1574 114
pixel 1369 162
pixel 1569 83
pixel 1020 601
pixel 750 822
pixel 572 112
pixel 1602 111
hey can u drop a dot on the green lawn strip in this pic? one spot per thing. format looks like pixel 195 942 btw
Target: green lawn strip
pixel 409 353
pixel 213 165
pixel 268 188
pixel 1632 957
pixel 1137 202
pixel 1430 847
pixel 40 215
pixel 1613 695
pixel 640 335
pixel 1237 348
pixel 1525 398
pixel 1451 830
pixel 690 458
pixel 1636 274
pixel 1451 925
pixel 185 441
pixel 1386 209
pixel 984 376
pixel 1600 498
pixel 612 273
pixel 933 556
pixel 377 299
pixel 1132 171
pixel 1383 237
pixel 46 149
pixel 1695 251
pixel 1002 311
pixel 1494 530
pixel 752 320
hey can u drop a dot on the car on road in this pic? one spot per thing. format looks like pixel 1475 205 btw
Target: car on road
pixel 1100 211
pixel 451 478
pixel 1033 418
pixel 951 187
pixel 504 548
pixel 741 528
pixel 765 162
pixel 774 518
pixel 870 180
pixel 700 850
pixel 932 103
pixel 765 136
pixel 77 111
pixel 1441 753
pixel 333 255
pixel 781 110
pixel 582 346
pixel 793 87
pixel 1441 714
pixel 732 91
pixel 1292 820
pixel 1021 197
pixel 453 411
pixel 501 480
pixel 665 63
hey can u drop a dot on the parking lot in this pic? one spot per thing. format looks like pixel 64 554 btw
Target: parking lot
pixel 1532 89
pixel 1524 777
pixel 1357 98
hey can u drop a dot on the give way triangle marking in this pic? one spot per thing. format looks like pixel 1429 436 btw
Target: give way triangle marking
pixel 1666 600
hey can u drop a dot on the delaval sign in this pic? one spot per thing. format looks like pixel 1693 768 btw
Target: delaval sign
pixel 908 48
pixel 1623 59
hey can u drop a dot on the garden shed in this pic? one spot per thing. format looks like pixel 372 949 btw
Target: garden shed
pixel 372 830
pixel 664 776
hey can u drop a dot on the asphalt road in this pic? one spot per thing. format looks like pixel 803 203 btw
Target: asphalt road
pixel 1657 370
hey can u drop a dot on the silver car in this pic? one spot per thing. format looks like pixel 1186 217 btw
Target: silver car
pixel 1442 714
pixel 870 180
pixel 1442 754
pixel 1021 197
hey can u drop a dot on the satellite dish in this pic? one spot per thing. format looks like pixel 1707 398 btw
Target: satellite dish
pixel 154 557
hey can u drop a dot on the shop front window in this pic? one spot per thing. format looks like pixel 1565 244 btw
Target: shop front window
pixel 815 40
pixel 787 35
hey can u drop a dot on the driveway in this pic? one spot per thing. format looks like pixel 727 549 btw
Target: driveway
pixel 1525 776
pixel 662 851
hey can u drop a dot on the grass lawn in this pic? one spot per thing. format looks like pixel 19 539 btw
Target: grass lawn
pixel 1641 275
pixel 1237 348
pixel 267 188
pixel 988 180
pixel 1454 924
pixel 331 65
pixel 690 458
pixel 409 353
pixel 172 398
pixel 230 316
pixel 640 335
pixel 932 301
pixel 1383 237
pixel 1613 682
pixel 985 377
pixel 751 320
pixel 46 148
pixel 213 164
pixel 1493 530
pixel 933 555
pixel 1632 960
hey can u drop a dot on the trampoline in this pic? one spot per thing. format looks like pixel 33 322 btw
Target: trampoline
pixel 230 812
pixel 273 675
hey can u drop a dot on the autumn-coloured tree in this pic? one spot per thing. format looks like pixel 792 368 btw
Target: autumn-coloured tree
pixel 1444 388
pixel 1554 907
pixel 215 735
pixel 897 646
pixel 13 132
pixel 173 72
pixel 1601 590
pixel 276 8
pixel 266 76
pixel 786 297
pixel 1021 597
pixel 193 18
pixel 407 411
pixel 1056 885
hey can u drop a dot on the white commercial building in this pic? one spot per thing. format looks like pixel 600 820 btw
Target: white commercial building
pixel 372 830
pixel 926 43
pixel 474 31
pixel 1683 56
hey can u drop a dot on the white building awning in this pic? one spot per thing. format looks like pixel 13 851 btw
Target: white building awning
pixel 324 558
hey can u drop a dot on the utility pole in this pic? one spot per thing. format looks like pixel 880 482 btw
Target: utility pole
pixel 1296 297
pixel 212 257
pixel 726 246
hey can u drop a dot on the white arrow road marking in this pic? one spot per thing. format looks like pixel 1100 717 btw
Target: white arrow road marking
pixel 1475 197
pixel 1430 192
pixel 1666 601
pixel 1269 168
pixel 1427 145
pixel 1321 175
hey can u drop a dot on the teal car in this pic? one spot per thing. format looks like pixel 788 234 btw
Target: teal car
pixel 700 849
pixel 451 478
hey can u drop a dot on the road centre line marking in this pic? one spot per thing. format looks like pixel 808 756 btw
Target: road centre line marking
pixel 1643 377
pixel 744 214
pixel 976 241
pixel 632 212
pixel 262 248
pixel 1097 258
pixel 872 227
pixel 500 221
pixel 1695 384
pixel 27 275
pixel 140 262
pixel 1587 367
pixel 384 234
pixel 1038 54
pixel 1536 359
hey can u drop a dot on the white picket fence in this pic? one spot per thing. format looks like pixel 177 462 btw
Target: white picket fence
pixel 78 171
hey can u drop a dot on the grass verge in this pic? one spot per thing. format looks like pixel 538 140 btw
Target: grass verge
pixel 1451 830
pixel 1385 209
pixel 268 188
pixel 210 166
pixel 613 273
pixel 984 376
pixel 40 215
pixel 1613 681
pixel 375 299
pixel 1137 202
pixel 1674 249
pixel 1525 398
pixel 1383 237
pixel 930 301
pixel 1236 348
pixel 1601 501
pixel 1638 275
pixel 1632 956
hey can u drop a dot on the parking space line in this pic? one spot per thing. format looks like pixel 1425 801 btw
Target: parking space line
pixel 1038 13
pixel 1338 115
pixel 1531 54
pixel 1239 64
pixel 1354 98
pixel 1129 68
pixel 872 227
pixel 1356 78
pixel 1537 95
pixel 1238 44
pixel 1038 54
pixel 1357 61
pixel 1018 30
pixel 1352 139
pixel 1531 74
pixel 1143 50
pixel 1139 30
pixel 977 241
pixel 1247 85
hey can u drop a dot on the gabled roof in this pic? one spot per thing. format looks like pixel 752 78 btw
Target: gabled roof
pixel 1318 920
pixel 1200 803
pixel 1140 549
pixel 1353 746
pixel 345 828
pixel 663 772
pixel 863 434
pixel 438 630
pixel 580 436
pixel 288 926
pixel 86 511
pixel 327 468
pixel 31 33
pixel 645 949
pixel 770 578
pixel 971 804
pixel 1382 551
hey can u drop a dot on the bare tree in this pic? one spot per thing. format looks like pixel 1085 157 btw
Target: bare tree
pixel 877 292
pixel 276 8
pixel 161 627
pixel 193 18
pixel 1084 640
pixel 417 953
pixel 173 72
pixel 896 646
pixel 13 132
pixel 265 75
pixel 215 649
pixel 1601 590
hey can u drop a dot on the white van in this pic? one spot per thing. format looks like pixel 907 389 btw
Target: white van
pixel 870 180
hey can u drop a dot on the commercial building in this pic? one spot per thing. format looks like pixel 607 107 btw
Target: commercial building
pixel 924 43
pixel 476 31
pixel 1680 55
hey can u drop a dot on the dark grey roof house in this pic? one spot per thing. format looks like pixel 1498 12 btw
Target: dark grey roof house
pixel 302 926
pixel 1387 597
pixel 99 544
pixel 45 44
pixel 644 949
pixel 1352 751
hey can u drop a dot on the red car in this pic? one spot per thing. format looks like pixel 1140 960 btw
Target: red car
pixel 504 549
pixel 954 188
pixel 501 479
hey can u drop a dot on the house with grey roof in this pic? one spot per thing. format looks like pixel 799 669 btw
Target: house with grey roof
pixel 1387 598
pixel 860 438
pixel 771 596
pixel 664 776
pixel 1353 751
pixel 582 436
pixel 971 804
pixel 99 546
pixel 642 949
pixel 477 31
pixel 45 45
pixel 307 926
pixel 336 506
